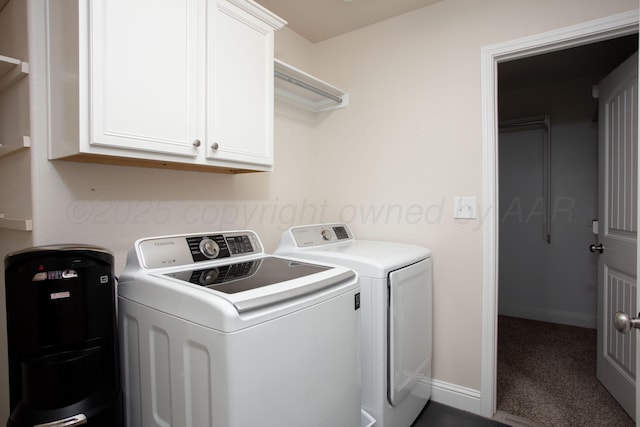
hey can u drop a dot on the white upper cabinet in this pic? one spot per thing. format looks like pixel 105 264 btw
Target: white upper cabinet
pixel 183 84
pixel 240 86
pixel 144 75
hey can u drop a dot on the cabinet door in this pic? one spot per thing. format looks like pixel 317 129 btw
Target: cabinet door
pixel 144 75
pixel 240 86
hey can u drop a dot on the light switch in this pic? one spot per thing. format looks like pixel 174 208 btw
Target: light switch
pixel 464 207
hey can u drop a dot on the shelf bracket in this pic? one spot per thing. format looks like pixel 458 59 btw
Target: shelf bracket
pixel 307 86
pixel 292 80
pixel 15 223
pixel 11 70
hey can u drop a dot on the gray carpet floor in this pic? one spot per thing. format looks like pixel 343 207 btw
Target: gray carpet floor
pixel 547 374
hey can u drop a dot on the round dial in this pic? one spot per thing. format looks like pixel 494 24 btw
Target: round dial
pixel 326 234
pixel 209 277
pixel 209 248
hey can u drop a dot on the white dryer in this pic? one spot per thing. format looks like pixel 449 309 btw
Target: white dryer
pixel 396 309
pixel 215 333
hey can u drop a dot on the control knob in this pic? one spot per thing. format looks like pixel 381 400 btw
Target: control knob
pixel 209 277
pixel 326 234
pixel 209 248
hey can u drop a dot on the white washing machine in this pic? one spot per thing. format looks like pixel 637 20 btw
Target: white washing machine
pixel 396 305
pixel 216 333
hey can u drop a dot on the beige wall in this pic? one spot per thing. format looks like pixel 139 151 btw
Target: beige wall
pixel 409 141
pixel 411 136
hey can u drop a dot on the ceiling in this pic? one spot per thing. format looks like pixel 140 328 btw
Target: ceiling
pixel 319 20
pixel 591 60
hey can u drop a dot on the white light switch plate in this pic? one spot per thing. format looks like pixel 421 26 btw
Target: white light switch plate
pixel 465 208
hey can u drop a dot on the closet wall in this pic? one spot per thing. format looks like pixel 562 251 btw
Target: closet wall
pixel 553 280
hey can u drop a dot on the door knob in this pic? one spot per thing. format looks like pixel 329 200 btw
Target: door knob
pixel 624 323
pixel 598 248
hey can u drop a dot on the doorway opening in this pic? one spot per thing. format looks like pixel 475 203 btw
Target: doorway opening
pixel 548 200
pixel 496 62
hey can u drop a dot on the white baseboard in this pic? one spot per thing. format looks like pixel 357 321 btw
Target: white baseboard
pixel 548 315
pixel 468 399
pixel 458 397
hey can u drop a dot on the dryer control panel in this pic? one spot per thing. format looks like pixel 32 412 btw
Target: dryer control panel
pixel 167 251
pixel 320 234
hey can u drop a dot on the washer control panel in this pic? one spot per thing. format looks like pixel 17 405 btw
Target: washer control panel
pixel 168 251
pixel 322 234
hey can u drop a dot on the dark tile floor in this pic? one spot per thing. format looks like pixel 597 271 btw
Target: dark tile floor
pixel 439 415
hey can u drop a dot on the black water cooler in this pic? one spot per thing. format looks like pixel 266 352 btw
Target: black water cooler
pixel 62 337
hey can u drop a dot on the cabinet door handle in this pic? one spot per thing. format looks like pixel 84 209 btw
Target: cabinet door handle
pixel 196 143
pixel 215 146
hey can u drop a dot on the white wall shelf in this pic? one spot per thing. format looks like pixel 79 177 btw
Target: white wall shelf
pixel 9 147
pixel 306 91
pixel 15 223
pixel 11 70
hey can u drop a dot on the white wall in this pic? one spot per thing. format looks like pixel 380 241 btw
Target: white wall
pixel 111 206
pixel 409 141
pixel 114 205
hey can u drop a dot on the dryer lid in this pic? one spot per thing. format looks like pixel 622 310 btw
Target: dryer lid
pixel 368 258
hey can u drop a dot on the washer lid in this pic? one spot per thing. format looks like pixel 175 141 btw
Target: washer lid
pixel 247 285
pixel 250 284
pixel 247 275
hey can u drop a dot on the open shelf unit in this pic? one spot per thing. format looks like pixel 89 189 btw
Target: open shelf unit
pixel 11 71
pixel 13 123
pixel 306 91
